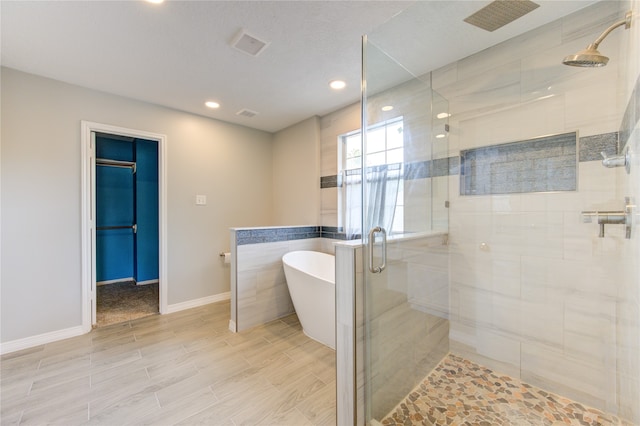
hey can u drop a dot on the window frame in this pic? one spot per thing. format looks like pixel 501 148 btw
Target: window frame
pixel 343 159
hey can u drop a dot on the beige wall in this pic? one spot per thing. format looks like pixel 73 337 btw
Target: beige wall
pixel 41 196
pixel 296 174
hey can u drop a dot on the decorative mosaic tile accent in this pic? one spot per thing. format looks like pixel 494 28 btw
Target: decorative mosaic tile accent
pixel 417 170
pixel 535 165
pixel 337 233
pixel 454 165
pixel 631 115
pixel 592 146
pixel 272 235
pixel 332 181
pixel 431 168
pixel 440 167
pixel 460 392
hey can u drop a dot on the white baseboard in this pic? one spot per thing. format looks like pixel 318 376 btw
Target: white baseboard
pixel 176 307
pixel 232 326
pixel 119 280
pixel 40 339
pixel 147 282
pixel 127 280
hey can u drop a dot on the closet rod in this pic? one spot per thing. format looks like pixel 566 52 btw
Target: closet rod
pixel 106 228
pixel 116 163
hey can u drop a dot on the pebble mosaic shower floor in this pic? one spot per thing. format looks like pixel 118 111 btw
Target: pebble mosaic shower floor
pixel 460 392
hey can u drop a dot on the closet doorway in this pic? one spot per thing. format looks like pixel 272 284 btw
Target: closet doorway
pixel 127 273
pixel 123 225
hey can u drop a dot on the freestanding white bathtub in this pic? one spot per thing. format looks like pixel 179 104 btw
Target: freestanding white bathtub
pixel 311 280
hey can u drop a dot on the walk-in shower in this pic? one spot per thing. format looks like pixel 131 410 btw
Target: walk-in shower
pixel 496 303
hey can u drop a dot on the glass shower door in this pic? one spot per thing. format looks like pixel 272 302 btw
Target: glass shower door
pixel 406 296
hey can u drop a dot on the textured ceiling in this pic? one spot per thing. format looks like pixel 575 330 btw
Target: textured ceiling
pixel 178 54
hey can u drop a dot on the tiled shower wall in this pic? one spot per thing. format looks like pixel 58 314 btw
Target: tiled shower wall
pixel 331 127
pixel 534 292
pixel 628 300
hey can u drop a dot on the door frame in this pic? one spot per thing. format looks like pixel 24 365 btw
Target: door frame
pixel 88 204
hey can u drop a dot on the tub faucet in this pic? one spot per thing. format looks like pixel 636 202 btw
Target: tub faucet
pixel 623 217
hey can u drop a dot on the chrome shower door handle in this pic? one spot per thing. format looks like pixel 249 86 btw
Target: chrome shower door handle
pixel 372 240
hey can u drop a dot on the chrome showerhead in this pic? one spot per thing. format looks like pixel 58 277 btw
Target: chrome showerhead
pixel 591 57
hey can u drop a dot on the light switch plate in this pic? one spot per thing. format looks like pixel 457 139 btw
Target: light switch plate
pixel 201 200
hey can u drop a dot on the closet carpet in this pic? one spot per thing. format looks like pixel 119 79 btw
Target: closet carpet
pixel 125 301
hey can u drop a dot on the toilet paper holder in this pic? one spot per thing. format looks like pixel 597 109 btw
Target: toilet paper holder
pixel 226 256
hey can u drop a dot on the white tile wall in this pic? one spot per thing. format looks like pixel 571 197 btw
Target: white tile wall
pixel 628 284
pixel 349 335
pixel 534 291
pixel 411 297
pixel 331 127
pixel 260 292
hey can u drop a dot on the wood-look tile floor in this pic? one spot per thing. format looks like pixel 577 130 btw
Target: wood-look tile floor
pixel 184 368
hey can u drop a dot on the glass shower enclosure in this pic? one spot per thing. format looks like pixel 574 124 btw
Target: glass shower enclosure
pixel 406 220
pixel 482 252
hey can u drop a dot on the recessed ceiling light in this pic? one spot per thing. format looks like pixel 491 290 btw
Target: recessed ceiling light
pixel 155 1
pixel 387 108
pixel 212 104
pixel 440 136
pixel 443 115
pixel 337 84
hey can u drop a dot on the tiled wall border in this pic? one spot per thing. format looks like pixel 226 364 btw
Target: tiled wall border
pixel 631 116
pixel 288 233
pixel 336 233
pixel 590 148
pixel 272 235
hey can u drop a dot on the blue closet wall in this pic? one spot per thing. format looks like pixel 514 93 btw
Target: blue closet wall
pixel 147 210
pixel 124 198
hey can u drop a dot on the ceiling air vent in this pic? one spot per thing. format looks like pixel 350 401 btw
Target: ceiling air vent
pixel 249 44
pixel 499 13
pixel 246 113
